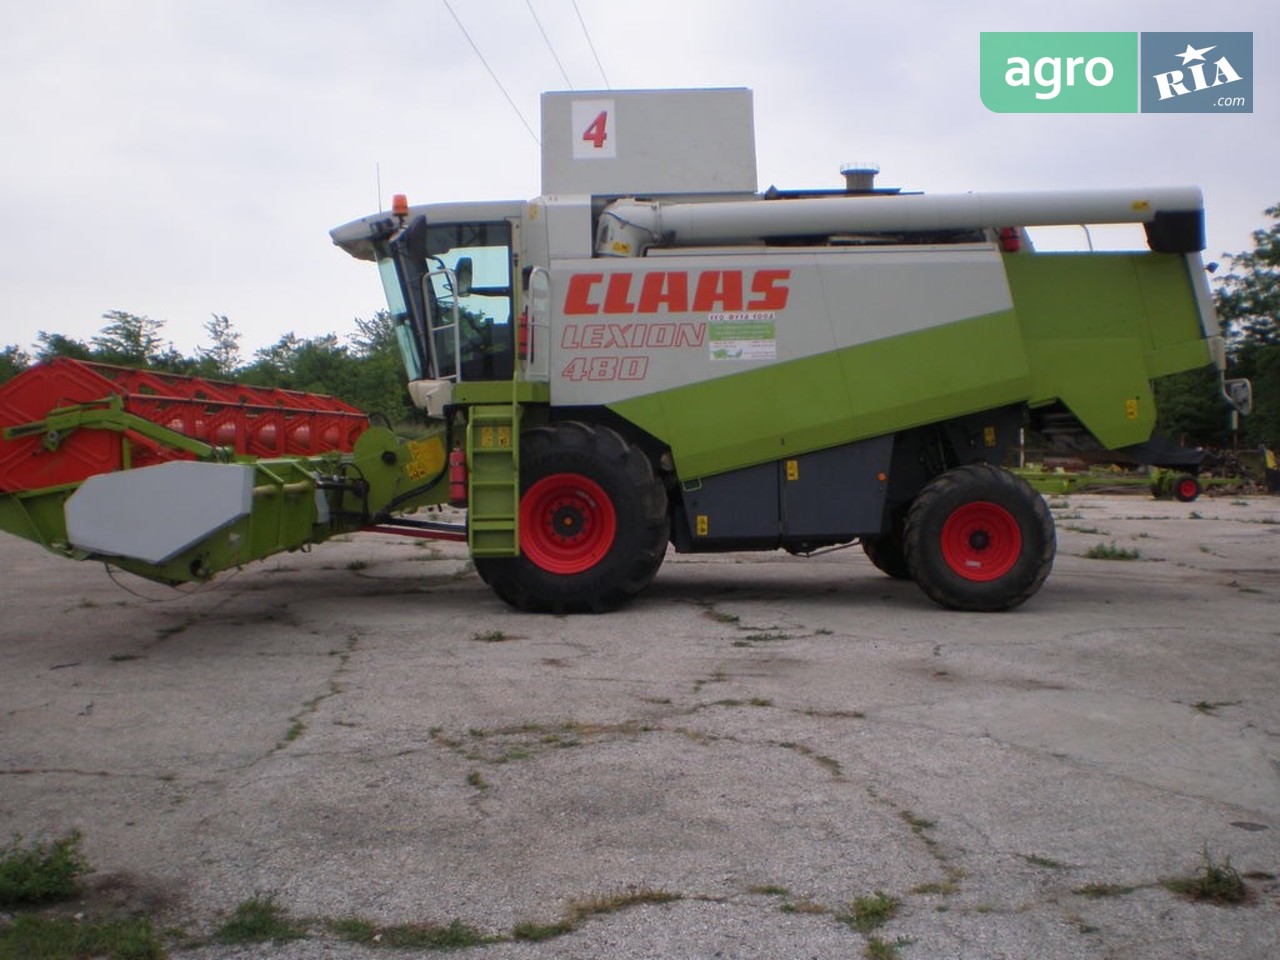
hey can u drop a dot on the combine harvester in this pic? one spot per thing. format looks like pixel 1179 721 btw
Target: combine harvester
pixel 649 354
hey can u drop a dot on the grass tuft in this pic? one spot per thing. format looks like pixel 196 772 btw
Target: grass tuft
pixel 1103 551
pixel 870 913
pixel 259 920
pixel 42 872
pixel 33 937
pixel 877 949
pixel 1215 882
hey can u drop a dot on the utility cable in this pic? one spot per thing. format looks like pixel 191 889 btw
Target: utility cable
pixel 587 34
pixel 491 73
pixel 534 13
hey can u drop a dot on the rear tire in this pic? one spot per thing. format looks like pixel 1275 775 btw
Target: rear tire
pixel 979 538
pixel 593 523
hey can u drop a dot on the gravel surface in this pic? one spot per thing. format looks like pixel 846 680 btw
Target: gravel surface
pixel 721 770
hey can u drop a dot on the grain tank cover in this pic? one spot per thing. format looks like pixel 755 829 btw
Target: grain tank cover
pixel 648 142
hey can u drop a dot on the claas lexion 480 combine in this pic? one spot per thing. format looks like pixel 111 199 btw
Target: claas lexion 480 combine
pixel 651 355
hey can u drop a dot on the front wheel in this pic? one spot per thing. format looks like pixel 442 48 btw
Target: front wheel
pixel 593 523
pixel 979 538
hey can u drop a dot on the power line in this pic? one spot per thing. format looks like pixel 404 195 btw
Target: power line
pixel 590 44
pixel 567 81
pixel 491 73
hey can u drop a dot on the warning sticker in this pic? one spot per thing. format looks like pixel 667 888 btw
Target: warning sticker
pixel 426 458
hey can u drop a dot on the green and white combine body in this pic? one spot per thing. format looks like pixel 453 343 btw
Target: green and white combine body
pixel 653 354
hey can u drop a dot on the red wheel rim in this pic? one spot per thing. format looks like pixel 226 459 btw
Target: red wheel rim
pixel 1188 488
pixel 567 523
pixel 981 541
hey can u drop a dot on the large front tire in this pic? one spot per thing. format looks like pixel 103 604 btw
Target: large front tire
pixel 593 523
pixel 979 538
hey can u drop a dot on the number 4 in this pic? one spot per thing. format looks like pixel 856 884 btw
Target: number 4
pixel 596 134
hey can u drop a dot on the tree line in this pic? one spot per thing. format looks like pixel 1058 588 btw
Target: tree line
pixel 1191 407
pixel 366 369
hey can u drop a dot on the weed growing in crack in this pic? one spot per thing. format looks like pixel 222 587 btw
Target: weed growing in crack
pixel 770 637
pixel 455 935
pixel 769 890
pixel 580 910
pixel 1210 707
pixel 803 905
pixel 830 763
pixel 718 616
pixel 1214 882
pixel 870 913
pixel 944 887
pixel 1099 891
pixel 1047 862
pixel 537 932
pixel 1103 551
pixel 917 824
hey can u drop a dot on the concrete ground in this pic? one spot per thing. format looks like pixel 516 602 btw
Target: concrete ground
pixel 366 732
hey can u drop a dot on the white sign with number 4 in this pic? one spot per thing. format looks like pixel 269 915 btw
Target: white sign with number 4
pixel 595 133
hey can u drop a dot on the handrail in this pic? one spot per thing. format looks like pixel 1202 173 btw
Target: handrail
pixel 538 362
pixel 452 280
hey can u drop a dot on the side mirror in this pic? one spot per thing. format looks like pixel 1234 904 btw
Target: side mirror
pixel 462 277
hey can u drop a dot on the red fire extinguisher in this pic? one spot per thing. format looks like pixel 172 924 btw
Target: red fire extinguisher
pixel 458 477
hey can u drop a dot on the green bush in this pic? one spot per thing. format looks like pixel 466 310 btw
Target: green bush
pixel 42 872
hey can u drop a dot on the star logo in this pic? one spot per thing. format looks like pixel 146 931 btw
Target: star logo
pixel 1191 53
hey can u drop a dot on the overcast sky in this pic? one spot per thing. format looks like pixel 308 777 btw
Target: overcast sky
pixel 181 158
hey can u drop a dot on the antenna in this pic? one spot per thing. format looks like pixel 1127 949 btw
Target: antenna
pixel 377 176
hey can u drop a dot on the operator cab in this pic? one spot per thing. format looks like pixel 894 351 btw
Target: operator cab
pixel 447 272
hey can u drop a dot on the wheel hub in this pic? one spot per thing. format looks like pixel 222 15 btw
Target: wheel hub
pixel 567 523
pixel 981 541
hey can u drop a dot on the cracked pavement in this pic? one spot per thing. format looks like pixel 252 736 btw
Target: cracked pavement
pixel 364 730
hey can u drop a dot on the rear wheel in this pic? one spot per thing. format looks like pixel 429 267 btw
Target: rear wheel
pixel 979 538
pixel 593 523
